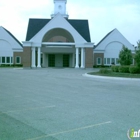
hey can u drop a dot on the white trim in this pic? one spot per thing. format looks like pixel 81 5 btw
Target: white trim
pixel 105 61
pixel 38 58
pixel 17 50
pixel 82 58
pixel 33 57
pixel 27 43
pixel 58 22
pixel 98 51
pixel 77 58
pixel 6 60
pixel 58 44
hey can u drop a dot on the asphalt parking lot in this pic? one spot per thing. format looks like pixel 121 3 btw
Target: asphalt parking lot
pixel 61 104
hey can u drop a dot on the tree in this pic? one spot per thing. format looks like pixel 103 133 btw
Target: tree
pixel 137 55
pixel 125 56
pixel 138 43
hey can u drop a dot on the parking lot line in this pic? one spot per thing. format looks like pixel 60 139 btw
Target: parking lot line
pixel 71 130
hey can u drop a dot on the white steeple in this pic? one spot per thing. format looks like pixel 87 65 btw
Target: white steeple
pixel 60 7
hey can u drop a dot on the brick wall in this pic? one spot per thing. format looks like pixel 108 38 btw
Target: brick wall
pixel 20 54
pixel 26 57
pixel 96 55
pixel 89 57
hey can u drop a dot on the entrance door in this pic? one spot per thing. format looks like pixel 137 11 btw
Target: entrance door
pixel 51 60
pixel 65 60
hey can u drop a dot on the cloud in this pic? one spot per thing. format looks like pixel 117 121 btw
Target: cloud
pixel 103 16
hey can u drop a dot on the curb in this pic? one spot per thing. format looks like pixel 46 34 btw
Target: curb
pixel 106 77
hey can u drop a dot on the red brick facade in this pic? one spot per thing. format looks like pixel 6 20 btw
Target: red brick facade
pixel 18 54
pixel 98 55
pixel 89 58
pixel 26 57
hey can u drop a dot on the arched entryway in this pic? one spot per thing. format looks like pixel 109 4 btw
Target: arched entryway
pixel 58 49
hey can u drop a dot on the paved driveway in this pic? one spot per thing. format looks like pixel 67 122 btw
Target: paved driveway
pixel 61 104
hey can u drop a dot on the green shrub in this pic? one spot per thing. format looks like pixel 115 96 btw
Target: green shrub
pixel 134 69
pixel 11 65
pixel 125 56
pixel 17 65
pixel 104 71
pixel 115 68
pixel 124 69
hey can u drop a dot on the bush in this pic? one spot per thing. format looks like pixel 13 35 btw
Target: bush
pixel 137 57
pixel 11 65
pixel 124 69
pixel 125 56
pixel 134 69
pixel 104 71
pixel 115 68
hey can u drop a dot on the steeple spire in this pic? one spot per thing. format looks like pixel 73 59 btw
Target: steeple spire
pixel 60 7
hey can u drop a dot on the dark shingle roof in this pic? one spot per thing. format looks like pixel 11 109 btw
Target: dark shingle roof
pixel 35 25
pixel 82 28
pixel 13 36
pixel 104 38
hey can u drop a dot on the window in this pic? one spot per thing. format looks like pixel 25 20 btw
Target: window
pixel 113 61
pixel 18 60
pixel 99 61
pixel 117 60
pixel 11 59
pixel 7 59
pixel 3 60
pixel 104 61
pixel 108 61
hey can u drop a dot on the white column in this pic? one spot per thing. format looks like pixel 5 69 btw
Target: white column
pixel 77 58
pixel 73 60
pixel 38 58
pixel 82 57
pixel 33 57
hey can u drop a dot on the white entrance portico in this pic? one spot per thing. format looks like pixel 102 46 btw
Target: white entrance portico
pixel 77 53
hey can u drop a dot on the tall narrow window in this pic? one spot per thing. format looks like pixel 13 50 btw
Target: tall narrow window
pixel 3 60
pixel 108 61
pixel 18 60
pixel 113 61
pixel 117 60
pixel 11 60
pixel 8 60
pixel 104 61
pixel 99 61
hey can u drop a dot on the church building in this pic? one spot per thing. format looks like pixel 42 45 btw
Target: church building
pixel 10 48
pixel 58 41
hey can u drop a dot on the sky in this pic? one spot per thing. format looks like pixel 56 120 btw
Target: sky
pixel 103 16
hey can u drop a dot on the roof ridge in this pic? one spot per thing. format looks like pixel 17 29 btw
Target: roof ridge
pixel 12 36
pixel 105 37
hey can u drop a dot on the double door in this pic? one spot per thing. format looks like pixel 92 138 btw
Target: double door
pixel 64 58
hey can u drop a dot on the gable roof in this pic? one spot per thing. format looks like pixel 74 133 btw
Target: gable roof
pixel 104 38
pixel 12 36
pixel 35 25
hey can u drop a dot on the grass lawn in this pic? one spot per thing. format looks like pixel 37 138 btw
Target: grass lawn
pixel 116 74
